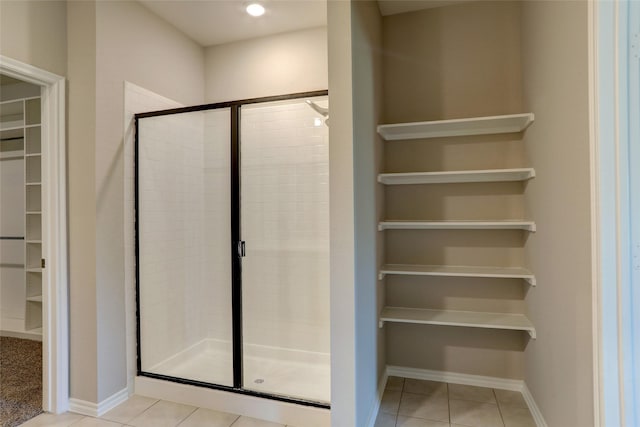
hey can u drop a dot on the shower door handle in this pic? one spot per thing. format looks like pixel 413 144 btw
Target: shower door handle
pixel 241 249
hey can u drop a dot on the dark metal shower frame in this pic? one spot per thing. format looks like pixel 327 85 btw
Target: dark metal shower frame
pixel 236 242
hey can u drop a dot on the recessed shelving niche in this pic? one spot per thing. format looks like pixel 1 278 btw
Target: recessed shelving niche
pixel 20 134
pixel 452 128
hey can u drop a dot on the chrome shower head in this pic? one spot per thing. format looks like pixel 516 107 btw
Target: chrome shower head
pixel 324 112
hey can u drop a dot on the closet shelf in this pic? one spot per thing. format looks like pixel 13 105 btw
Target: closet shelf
pixel 456 127
pixel 457 225
pixel 36 298
pixel 11 134
pixel 489 175
pixel 12 126
pixel 33 270
pixel 470 319
pixel 457 271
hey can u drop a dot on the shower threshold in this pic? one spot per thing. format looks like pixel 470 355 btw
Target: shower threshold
pixel 283 372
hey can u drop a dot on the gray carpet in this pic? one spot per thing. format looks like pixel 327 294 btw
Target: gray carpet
pixel 20 380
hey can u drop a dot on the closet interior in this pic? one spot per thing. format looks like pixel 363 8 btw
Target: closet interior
pixel 20 210
pixel 455 174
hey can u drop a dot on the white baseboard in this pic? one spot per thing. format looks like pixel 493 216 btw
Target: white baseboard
pixel 373 415
pixel 455 378
pixel 533 407
pixel 91 409
pixel 476 380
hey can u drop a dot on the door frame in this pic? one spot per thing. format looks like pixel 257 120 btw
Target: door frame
pixel 614 96
pixel 55 319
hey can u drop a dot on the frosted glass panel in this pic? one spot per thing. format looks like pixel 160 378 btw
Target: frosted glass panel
pixel 184 238
pixel 285 273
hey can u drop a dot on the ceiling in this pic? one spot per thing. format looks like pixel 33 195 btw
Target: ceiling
pixel 394 7
pixel 212 22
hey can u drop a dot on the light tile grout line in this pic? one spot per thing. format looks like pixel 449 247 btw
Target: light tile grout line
pixel 504 423
pixel 190 413
pixel 236 420
pixel 449 402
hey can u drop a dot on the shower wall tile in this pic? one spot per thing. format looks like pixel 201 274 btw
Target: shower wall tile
pixel 171 246
pixel 137 100
pixel 285 222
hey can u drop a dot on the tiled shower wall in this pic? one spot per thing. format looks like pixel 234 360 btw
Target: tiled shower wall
pixel 171 234
pixel 285 222
pixel 137 100
pixel 216 287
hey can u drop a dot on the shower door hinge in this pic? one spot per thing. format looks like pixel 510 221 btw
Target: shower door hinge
pixel 42 262
pixel 241 249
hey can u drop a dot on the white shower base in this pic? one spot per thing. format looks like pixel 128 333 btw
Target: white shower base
pixel 283 372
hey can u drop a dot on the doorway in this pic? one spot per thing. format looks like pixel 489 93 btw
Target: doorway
pixel 45 224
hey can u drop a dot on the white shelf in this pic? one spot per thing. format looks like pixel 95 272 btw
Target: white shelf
pixel 489 175
pixel 457 225
pixel 456 127
pixel 470 319
pixel 12 133
pixel 457 271
pixel 20 121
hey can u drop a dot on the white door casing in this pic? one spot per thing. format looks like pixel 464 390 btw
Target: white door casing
pixel 55 322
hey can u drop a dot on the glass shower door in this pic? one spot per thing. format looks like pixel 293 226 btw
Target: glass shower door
pixel 284 175
pixel 184 241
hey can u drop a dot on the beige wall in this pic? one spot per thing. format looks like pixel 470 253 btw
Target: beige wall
pixel 555 65
pixel 341 211
pixel 83 351
pixel 135 45
pixel 454 61
pixel 366 33
pixel 34 32
pixel 449 62
pixel 274 65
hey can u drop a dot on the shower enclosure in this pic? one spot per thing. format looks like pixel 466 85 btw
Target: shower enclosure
pixel 232 246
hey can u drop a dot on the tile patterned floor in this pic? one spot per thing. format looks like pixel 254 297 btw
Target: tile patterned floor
pixel 419 403
pixel 141 411
pixel 405 403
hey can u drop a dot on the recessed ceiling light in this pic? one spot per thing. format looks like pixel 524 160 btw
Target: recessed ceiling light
pixel 255 9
